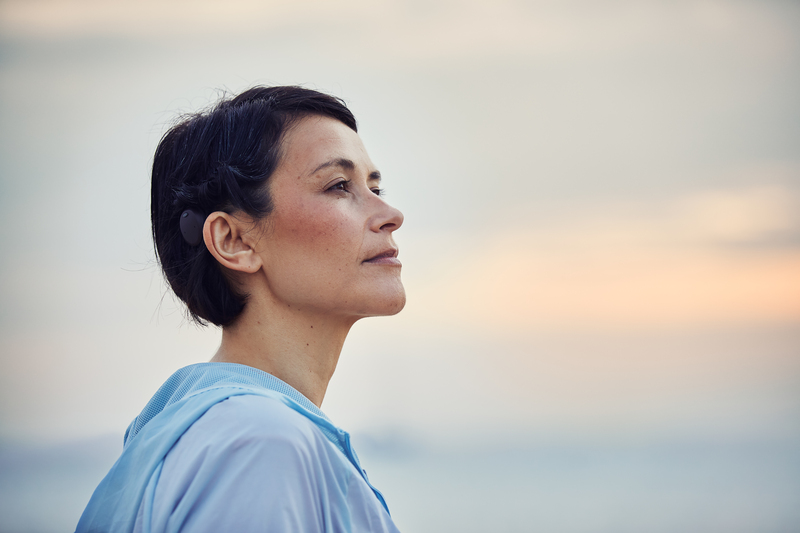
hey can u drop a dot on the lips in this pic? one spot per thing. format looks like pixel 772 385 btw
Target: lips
pixel 387 257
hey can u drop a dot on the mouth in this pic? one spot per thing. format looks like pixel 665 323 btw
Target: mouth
pixel 387 257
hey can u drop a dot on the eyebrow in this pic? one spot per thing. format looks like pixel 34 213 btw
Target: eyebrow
pixel 347 164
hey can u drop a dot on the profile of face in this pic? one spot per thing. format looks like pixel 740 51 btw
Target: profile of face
pixel 327 247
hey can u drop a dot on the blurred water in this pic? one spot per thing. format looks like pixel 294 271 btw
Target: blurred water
pixel 680 487
pixel 647 488
pixel 44 489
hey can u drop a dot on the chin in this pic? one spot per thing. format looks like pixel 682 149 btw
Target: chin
pixel 387 303
pixel 399 304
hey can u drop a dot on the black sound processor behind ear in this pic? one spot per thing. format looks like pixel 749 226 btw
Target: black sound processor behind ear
pixel 192 226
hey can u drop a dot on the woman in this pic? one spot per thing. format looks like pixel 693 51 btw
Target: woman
pixel 268 221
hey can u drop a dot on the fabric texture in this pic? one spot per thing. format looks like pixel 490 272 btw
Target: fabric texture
pixel 223 446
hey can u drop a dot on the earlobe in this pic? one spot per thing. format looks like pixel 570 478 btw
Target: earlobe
pixel 226 237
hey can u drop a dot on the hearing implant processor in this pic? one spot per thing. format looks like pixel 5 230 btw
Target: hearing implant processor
pixel 192 226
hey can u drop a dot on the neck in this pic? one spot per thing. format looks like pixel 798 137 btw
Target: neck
pixel 300 348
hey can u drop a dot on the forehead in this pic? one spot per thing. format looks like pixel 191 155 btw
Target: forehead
pixel 313 140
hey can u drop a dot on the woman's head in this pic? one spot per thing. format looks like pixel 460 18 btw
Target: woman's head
pixel 326 251
pixel 222 160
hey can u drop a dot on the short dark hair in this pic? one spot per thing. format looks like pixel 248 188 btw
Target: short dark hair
pixel 221 160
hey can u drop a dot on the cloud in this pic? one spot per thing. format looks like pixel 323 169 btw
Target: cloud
pixel 708 258
pixel 412 30
pixel 740 216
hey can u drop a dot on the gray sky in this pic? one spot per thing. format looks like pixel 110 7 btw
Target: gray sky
pixel 590 188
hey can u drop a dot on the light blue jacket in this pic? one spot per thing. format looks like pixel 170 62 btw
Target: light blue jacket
pixel 269 460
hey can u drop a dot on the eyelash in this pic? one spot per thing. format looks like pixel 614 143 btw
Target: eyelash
pixel 345 187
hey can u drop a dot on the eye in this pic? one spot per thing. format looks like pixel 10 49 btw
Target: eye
pixel 343 186
pixel 378 191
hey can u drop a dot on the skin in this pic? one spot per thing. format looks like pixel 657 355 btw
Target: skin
pixel 321 260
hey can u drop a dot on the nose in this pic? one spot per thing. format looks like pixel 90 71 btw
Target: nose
pixel 388 218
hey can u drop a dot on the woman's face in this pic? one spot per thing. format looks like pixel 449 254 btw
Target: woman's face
pixel 327 246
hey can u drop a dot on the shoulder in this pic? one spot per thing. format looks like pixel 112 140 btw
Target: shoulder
pixel 256 431
pixel 253 417
pixel 248 458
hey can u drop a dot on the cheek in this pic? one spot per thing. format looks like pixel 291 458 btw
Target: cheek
pixel 317 229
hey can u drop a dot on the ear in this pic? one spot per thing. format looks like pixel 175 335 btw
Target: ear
pixel 231 241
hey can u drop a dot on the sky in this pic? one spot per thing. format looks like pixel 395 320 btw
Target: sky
pixel 601 244
pixel 602 210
